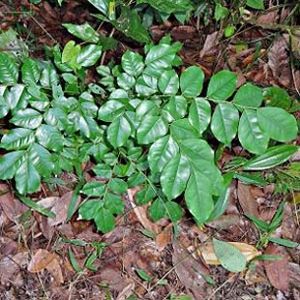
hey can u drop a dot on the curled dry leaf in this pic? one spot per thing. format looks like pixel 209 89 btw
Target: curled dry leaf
pixel 43 259
pixel 210 257
pixel 278 270
pixel 141 213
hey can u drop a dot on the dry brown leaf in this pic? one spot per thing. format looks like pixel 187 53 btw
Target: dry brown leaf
pixel 294 274
pixel 247 200
pixel 11 265
pixel 190 272
pixel 209 44
pixel 164 238
pixel 141 213
pixel 210 257
pixel 278 270
pixel 11 206
pixel 40 260
pixel 278 61
pixel 43 259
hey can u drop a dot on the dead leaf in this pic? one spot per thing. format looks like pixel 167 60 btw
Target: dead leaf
pixel 141 213
pixel 210 257
pixel 294 274
pixel 209 44
pixel 43 259
pixel 11 206
pixel 278 61
pixel 164 238
pixel 11 265
pixel 247 200
pixel 191 272
pixel 278 270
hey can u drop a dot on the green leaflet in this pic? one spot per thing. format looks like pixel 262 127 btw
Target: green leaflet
pixel 225 122
pixel 174 176
pixel 278 124
pixel 31 71
pixel 256 4
pixel 9 72
pixel 222 85
pixel 118 132
pixel 152 128
pixel 191 81
pixel 89 55
pixel 250 134
pixel 248 96
pixel 169 6
pixel 273 157
pixel 132 63
pixel 198 197
pixel 84 32
pixel 200 114
pixel 161 152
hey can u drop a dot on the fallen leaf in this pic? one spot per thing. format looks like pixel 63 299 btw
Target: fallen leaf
pixel 191 272
pixel 43 259
pixel 247 200
pixel 210 257
pixel 11 206
pixel 278 61
pixel 11 265
pixel 209 44
pixel 164 238
pixel 294 274
pixel 278 270
pixel 141 213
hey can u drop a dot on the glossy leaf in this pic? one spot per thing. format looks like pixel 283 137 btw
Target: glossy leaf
pixel 278 124
pixel 28 118
pixel 89 55
pixel 50 138
pixel 222 85
pixel 132 63
pixel 151 129
pixel 168 82
pixel 169 6
pixel 84 32
pixel 250 134
pixel 31 71
pixel 198 197
pixel 18 138
pixel 27 177
pixel 175 108
pixel 104 220
pixel 225 122
pixel 248 96
pixel 175 176
pixel 256 4
pixel 191 81
pixel 273 157
pixel 110 110
pixel 101 5
pixel 9 72
pixel 200 114
pixel 118 132
pixel 182 130
pixel 161 152
pixel 10 163
pixel 93 188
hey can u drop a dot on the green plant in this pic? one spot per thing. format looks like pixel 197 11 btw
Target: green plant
pixel 142 125
pixel 266 229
